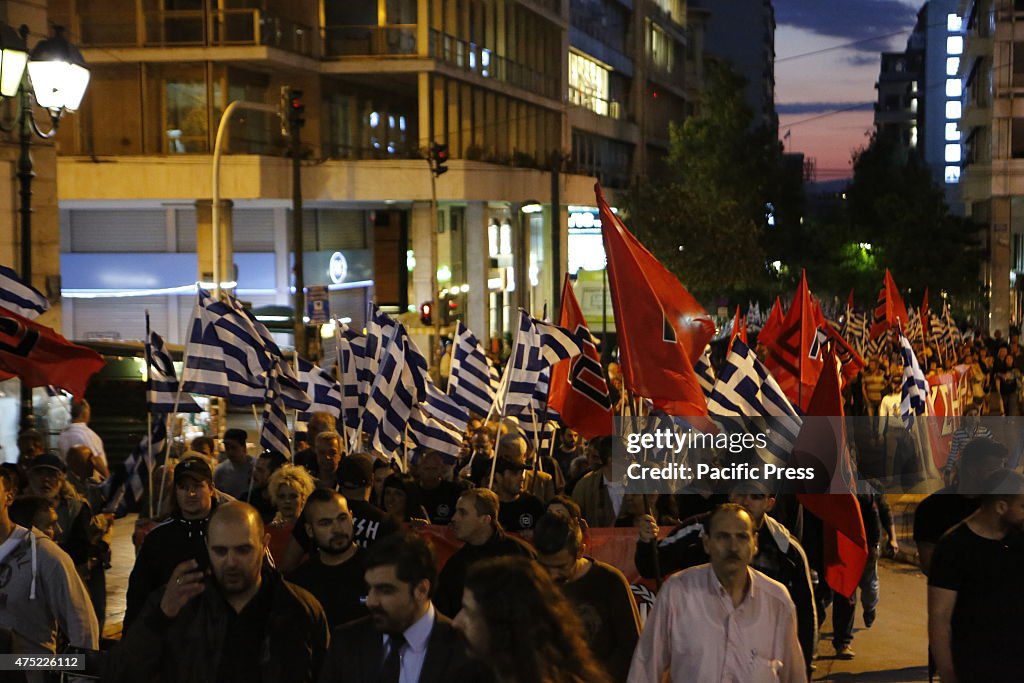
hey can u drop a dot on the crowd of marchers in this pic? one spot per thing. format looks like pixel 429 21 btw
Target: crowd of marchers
pixel 311 568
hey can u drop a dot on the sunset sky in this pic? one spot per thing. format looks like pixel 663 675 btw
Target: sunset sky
pixel 827 54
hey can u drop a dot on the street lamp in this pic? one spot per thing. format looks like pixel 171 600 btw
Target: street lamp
pixel 56 78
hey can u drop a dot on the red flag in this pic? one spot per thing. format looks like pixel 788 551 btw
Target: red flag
pixel 40 356
pixel 890 308
pixel 771 327
pixel 849 301
pixel 790 357
pixel 578 389
pixel 822 445
pixel 739 328
pixel 925 323
pixel 662 328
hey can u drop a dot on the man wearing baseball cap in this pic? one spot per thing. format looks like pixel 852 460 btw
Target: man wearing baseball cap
pixel 181 537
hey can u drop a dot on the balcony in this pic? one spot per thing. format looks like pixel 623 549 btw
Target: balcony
pixel 394 40
pixel 193 28
pixel 614 109
pixel 485 63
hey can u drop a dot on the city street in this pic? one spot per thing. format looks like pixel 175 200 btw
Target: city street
pixel 891 651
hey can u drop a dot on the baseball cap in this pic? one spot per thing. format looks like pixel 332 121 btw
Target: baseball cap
pixel 48 460
pixel 193 468
pixel 355 470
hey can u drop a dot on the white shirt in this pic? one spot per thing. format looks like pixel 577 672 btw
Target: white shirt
pixel 889 412
pixel 79 434
pixel 414 652
pixel 696 633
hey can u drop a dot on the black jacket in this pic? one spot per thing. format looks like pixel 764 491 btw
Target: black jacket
pixel 779 557
pixel 165 547
pixel 188 648
pixel 448 599
pixel 357 655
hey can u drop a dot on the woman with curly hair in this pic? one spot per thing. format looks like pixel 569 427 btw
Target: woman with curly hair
pixel 289 487
pixel 519 625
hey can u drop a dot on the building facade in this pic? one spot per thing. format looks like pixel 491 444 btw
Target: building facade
pixel 515 88
pixel 992 177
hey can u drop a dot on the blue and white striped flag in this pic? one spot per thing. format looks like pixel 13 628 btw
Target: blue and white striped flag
pixel 392 396
pixel 274 434
pixel 538 346
pixel 322 388
pixel 915 387
pixel 472 380
pixel 705 372
pixel 162 381
pixel 351 357
pixel 432 434
pixel 126 486
pixel 440 406
pixel 747 399
pixel 19 297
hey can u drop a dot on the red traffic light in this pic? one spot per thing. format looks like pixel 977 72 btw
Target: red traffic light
pixel 425 317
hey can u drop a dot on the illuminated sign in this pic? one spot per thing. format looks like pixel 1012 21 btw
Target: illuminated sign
pixel 954 93
pixel 338 268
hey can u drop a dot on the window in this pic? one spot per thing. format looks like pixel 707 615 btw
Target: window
pixel 953 22
pixel 952 153
pixel 952 132
pixel 588 84
pixel 954 88
pixel 660 49
pixel 1017 139
pixel 1018 65
pixel 954 45
pixel 952 66
pixel 952 174
pixel 953 110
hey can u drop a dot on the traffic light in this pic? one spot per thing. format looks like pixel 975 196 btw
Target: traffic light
pixel 438 158
pixel 296 109
pixel 425 317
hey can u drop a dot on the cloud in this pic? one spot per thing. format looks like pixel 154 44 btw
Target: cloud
pixel 852 20
pixel 791 108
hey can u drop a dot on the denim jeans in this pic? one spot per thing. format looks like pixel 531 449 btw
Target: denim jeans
pixel 844 610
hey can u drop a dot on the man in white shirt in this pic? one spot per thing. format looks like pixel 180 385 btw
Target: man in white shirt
pixel 891 430
pixel 79 433
pixel 721 621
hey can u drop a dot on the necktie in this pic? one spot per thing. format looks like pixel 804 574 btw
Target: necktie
pixel 393 662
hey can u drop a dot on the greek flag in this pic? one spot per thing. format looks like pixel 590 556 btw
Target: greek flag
pixel 126 486
pixel 747 399
pixel 705 373
pixel 19 297
pixel 392 396
pixel 322 388
pixel 538 346
pixel 472 378
pixel 274 434
pixel 231 354
pixel 915 386
pixel 162 382
pixel 440 406
pixel 351 357
pixel 431 434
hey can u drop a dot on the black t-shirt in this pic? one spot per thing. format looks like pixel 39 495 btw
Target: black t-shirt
pixel 440 502
pixel 243 636
pixel 341 589
pixel 521 514
pixel 985 574
pixel 369 523
pixel 604 603
pixel 940 512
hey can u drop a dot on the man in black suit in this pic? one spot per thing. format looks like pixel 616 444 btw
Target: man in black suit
pixel 404 639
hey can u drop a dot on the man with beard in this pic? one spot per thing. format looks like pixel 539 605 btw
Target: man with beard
pixel 438 494
pixel 404 639
pixel 242 623
pixel 334 574
pixel 598 592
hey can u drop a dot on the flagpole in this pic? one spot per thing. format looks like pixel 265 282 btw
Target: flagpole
pixel 149 420
pixel 341 377
pixel 506 381
pixel 177 401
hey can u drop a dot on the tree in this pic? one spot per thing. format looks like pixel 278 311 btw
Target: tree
pixel 704 216
pixel 896 207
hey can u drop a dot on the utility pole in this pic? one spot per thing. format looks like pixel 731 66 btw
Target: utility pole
pixel 556 235
pixel 437 159
pixel 296 119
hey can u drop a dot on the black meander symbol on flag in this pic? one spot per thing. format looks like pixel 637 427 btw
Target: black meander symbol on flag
pixel 668 332
pixel 16 338
pixel 585 374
